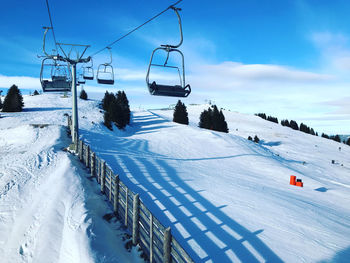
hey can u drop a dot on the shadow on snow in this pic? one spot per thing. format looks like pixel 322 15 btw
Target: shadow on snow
pixel 204 226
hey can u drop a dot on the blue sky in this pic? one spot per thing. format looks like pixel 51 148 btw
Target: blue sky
pixel 289 59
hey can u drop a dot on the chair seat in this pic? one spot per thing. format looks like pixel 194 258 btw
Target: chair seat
pixel 105 81
pixel 88 77
pixel 56 86
pixel 168 90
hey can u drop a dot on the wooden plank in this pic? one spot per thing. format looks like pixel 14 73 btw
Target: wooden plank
pixel 175 257
pixel 144 209
pixel 116 194
pixel 92 164
pixel 157 253
pixel 167 246
pixel 180 250
pixel 126 208
pixel 151 238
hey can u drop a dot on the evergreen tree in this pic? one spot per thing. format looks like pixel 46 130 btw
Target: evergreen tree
pixel 0 102
pixel 213 119
pixel 83 95
pixel 285 123
pixel 205 119
pixel 312 132
pixel 250 138
pixel 336 138
pixel 35 93
pixel 13 101
pixel 294 125
pixel 272 119
pixel 118 109
pixel 261 115
pixel 325 136
pixel 223 124
pixel 107 120
pixel 348 141
pixel 124 103
pixel 256 139
pixel 180 113
pixel 107 100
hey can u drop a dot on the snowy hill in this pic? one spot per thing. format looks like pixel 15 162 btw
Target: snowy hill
pixel 225 198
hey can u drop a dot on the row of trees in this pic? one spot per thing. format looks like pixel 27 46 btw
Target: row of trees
pixel 211 119
pixel 268 118
pixel 117 110
pixel 13 101
pixel 303 128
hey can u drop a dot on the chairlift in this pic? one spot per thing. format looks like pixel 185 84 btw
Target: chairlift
pixel 88 72
pixel 59 80
pixel 105 73
pixel 81 79
pixel 177 90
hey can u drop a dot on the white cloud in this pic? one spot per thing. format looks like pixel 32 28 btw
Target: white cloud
pixel 22 82
pixel 335 50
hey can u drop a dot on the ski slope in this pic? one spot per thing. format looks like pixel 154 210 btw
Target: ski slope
pixel 226 199
pixel 49 210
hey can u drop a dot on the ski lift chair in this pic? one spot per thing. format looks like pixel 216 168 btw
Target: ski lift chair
pixel 60 79
pixel 177 90
pixel 81 79
pixel 105 73
pixel 88 72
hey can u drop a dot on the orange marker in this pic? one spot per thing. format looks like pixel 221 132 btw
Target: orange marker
pixel 292 179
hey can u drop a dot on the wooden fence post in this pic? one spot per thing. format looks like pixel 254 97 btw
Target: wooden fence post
pixel 151 239
pixel 87 155
pixel 110 185
pixel 92 163
pixel 80 150
pixel 116 194
pixel 103 174
pixel 126 207
pixel 135 219
pixel 167 246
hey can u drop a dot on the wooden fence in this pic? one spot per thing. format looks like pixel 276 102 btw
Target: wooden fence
pixel 155 239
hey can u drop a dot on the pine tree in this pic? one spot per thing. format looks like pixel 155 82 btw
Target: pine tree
pixel 83 95
pixel 285 123
pixel 107 120
pixel 107 100
pixel 348 141
pixel 35 93
pixel 118 109
pixel 336 138
pixel 213 119
pixel 325 136
pixel 256 139
pixel 180 113
pixel 204 120
pixel 0 102
pixel 13 101
pixel 223 123
pixel 250 138
pixel 294 125
pixel 261 115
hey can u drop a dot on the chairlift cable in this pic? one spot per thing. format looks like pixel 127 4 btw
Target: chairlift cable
pixel 136 28
pixel 53 32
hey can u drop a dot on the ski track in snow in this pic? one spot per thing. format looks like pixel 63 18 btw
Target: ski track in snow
pixel 43 214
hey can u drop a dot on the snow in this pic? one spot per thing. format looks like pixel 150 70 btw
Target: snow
pixel 49 210
pixel 225 198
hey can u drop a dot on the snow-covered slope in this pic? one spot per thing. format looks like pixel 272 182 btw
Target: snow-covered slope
pixel 226 198
pixel 49 210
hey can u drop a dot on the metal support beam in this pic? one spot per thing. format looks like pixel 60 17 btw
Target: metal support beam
pixel 75 127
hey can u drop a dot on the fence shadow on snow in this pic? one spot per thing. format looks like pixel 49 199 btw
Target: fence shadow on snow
pixel 189 227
